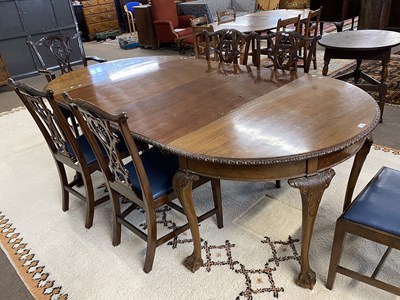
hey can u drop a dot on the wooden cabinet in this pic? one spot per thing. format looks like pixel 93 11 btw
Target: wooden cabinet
pixel 380 14
pixel 3 72
pixel 100 16
pixel 394 17
pixel 145 28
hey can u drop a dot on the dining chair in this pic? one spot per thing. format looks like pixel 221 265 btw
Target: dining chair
pixel 309 30
pixel 230 45
pixel 145 180
pixel 199 25
pixel 67 148
pixel 226 15
pixel 283 49
pixel 129 9
pixel 288 24
pixel 374 215
pixel 58 46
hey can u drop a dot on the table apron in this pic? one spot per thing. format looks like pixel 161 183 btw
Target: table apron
pixel 381 54
pixel 272 171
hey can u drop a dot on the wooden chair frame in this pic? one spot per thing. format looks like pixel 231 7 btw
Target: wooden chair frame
pixel 309 30
pixel 58 46
pixel 283 49
pixel 61 140
pixel 96 122
pixel 130 17
pixel 230 45
pixel 343 227
pixel 199 25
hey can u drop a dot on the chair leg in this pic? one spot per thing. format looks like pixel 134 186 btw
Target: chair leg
pixel 151 238
pixel 337 248
pixel 116 215
pixel 216 189
pixel 64 183
pixel 87 179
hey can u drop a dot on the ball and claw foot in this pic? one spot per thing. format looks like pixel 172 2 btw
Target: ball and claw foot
pixel 193 263
pixel 306 280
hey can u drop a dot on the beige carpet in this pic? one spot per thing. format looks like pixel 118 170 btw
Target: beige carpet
pixel 255 255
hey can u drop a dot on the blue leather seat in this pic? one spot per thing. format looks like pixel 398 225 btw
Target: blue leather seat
pixel 375 215
pixel 378 206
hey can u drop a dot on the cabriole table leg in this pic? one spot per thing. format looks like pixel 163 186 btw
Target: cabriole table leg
pixel 311 190
pixel 182 183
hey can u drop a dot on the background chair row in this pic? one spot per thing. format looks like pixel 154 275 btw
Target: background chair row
pixel 303 43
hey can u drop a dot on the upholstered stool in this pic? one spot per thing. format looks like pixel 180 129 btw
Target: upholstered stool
pixel 374 215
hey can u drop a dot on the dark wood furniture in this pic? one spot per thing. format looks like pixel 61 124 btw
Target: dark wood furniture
pixel 360 45
pixel 394 16
pixel 67 148
pixel 284 49
pixel 145 179
pixel 100 16
pixel 232 122
pixel 3 72
pixel 80 19
pixel 59 47
pixel 261 21
pixel 373 215
pixel 145 28
pixel 229 45
pixel 380 14
pixel 337 11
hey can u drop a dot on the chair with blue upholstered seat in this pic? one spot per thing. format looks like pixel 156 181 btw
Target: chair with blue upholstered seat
pixel 67 148
pixel 373 215
pixel 145 181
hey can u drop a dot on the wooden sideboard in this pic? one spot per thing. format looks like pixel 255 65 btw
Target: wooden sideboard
pixel 3 72
pixel 100 16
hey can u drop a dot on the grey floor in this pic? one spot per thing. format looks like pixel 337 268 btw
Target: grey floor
pixel 385 134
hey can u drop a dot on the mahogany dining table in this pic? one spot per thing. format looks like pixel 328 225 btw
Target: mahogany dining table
pixel 261 21
pixel 236 123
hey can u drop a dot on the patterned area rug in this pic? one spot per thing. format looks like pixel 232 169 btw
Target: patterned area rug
pixel 373 69
pixel 255 256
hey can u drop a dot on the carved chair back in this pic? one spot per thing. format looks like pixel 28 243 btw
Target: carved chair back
pixel 145 180
pixel 283 49
pixel 230 45
pixel 58 46
pixel 66 147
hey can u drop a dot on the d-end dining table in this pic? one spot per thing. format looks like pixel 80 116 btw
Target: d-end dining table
pixel 236 123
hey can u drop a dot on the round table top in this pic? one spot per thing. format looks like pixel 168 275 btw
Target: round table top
pixel 362 40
